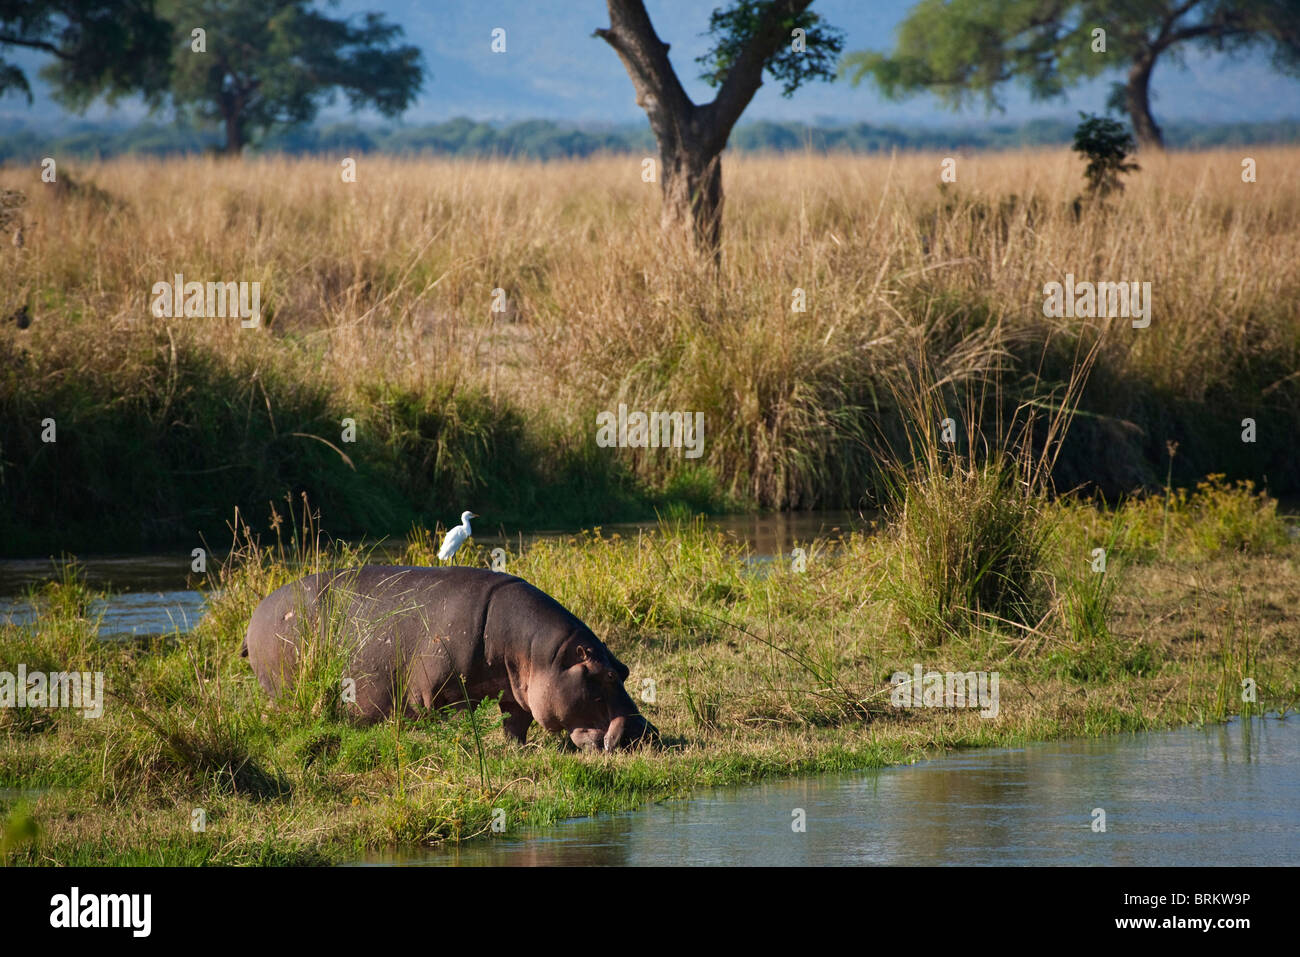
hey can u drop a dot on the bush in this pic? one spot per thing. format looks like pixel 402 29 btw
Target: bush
pixel 1106 144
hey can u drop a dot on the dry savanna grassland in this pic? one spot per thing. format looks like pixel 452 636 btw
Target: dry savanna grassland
pixel 923 303
pixel 377 299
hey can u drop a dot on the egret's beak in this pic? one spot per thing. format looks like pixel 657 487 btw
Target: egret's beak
pixel 473 514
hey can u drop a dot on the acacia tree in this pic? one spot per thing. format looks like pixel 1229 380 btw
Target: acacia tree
pixel 780 37
pixel 111 47
pixel 276 62
pixel 960 48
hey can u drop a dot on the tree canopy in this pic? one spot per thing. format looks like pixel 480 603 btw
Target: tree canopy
pixel 109 47
pixel 270 63
pixel 735 27
pixel 962 50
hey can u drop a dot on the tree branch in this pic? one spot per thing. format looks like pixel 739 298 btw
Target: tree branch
pixel 645 57
pixel 1166 36
pixel 1225 23
pixel 746 74
pixel 1206 30
pixel 35 45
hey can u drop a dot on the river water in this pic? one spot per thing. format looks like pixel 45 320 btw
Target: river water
pixel 1218 795
pixel 151 593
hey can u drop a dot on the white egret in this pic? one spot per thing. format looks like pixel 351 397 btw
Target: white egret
pixel 456 537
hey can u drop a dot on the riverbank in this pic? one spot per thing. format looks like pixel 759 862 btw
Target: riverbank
pixel 758 670
pixel 443 334
pixel 1185 797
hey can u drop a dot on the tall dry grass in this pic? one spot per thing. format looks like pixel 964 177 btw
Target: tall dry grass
pixel 378 296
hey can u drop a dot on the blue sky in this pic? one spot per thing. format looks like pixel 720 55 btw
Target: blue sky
pixel 555 69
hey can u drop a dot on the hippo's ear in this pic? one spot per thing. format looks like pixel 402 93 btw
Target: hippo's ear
pixel 577 653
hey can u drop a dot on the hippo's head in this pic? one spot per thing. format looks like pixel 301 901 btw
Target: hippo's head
pixel 583 694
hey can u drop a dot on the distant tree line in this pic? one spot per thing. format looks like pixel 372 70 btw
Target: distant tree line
pixel 544 139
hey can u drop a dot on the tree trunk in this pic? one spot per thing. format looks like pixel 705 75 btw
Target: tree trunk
pixel 234 135
pixel 1137 100
pixel 690 137
pixel 231 102
pixel 691 183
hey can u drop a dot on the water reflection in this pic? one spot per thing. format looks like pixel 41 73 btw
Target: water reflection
pixel 1222 795
pixel 128 613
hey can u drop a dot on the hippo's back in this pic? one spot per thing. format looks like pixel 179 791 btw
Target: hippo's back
pixel 389 613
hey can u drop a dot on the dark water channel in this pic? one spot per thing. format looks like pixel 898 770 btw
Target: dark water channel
pixel 151 593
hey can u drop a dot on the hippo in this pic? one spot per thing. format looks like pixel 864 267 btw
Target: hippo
pixel 424 638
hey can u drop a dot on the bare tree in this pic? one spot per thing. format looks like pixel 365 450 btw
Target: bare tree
pixel 779 36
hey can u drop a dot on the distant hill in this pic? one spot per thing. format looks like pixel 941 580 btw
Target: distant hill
pixel 544 139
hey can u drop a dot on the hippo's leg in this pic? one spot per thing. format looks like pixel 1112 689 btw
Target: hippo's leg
pixel 516 721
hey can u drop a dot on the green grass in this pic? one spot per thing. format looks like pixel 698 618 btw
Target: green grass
pixel 759 671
